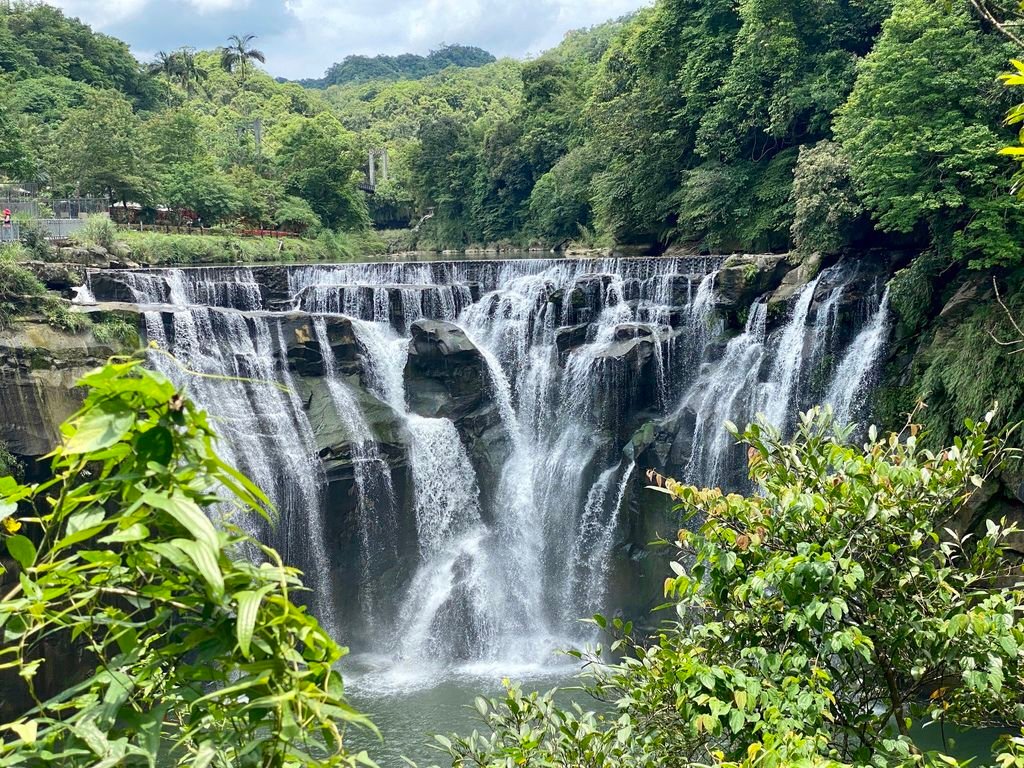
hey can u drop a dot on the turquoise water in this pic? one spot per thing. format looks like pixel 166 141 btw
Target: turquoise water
pixel 409 708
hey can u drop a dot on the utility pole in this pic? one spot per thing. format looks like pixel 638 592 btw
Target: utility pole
pixel 255 127
pixel 380 153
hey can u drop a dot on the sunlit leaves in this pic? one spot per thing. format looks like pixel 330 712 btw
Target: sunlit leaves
pixel 21 549
pixel 100 428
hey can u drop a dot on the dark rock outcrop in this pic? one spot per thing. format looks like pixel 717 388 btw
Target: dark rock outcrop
pixel 743 278
pixel 113 286
pixel 57 276
pixel 303 348
pixel 570 337
pixel 446 375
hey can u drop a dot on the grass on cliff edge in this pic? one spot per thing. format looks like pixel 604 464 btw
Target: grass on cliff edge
pixel 168 249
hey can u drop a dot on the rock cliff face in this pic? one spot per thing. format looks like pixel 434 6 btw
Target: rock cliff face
pixel 666 368
pixel 446 376
pixel 38 370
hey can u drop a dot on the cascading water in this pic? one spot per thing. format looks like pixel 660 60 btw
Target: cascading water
pixel 728 391
pixel 854 375
pixel 595 537
pixel 516 501
pixel 372 476
pixel 788 363
pixel 253 405
pixel 447 612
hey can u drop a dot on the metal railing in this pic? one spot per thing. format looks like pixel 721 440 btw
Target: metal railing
pixel 60 229
pixel 72 208
pixel 55 229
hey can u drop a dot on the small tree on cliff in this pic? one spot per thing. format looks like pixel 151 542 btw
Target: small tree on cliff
pixel 815 621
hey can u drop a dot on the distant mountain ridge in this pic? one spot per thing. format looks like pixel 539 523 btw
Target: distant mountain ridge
pixel 406 66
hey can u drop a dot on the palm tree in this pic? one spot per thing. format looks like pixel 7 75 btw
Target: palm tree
pixel 165 64
pixel 189 71
pixel 237 56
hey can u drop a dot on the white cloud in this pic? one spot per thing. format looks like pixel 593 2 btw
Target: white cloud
pixel 101 15
pixel 217 6
pixel 303 37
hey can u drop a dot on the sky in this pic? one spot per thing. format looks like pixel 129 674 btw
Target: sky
pixel 301 38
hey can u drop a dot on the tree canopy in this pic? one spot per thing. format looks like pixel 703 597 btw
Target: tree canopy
pixel 408 66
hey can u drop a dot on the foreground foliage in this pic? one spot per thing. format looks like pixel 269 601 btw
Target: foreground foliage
pixel 131 631
pixel 816 622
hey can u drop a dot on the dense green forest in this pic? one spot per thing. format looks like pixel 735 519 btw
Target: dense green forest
pixel 194 130
pixel 713 124
pixel 745 126
pixel 706 125
pixel 407 66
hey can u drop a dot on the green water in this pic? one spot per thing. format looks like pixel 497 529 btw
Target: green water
pixel 408 712
pixel 976 743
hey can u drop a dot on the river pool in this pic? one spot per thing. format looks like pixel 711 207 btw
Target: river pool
pixel 409 707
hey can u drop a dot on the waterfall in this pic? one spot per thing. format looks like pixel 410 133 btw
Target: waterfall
pixel 448 612
pixel 384 354
pixel 372 476
pixel 83 295
pixel 789 358
pixel 851 383
pixel 590 555
pixel 726 393
pixel 259 416
pixel 477 540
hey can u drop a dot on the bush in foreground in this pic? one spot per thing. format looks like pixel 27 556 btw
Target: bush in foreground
pixel 165 648
pixel 816 622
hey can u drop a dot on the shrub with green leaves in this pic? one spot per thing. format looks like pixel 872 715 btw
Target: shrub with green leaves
pixel 98 230
pixel 59 314
pixel 9 464
pixel 33 237
pixel 20 290
pixel 14 252
pixel 816 621
pixel 192 655
pixel 116 330
pixel 18 282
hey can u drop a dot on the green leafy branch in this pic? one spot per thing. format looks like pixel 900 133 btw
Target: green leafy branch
pixel 165 644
